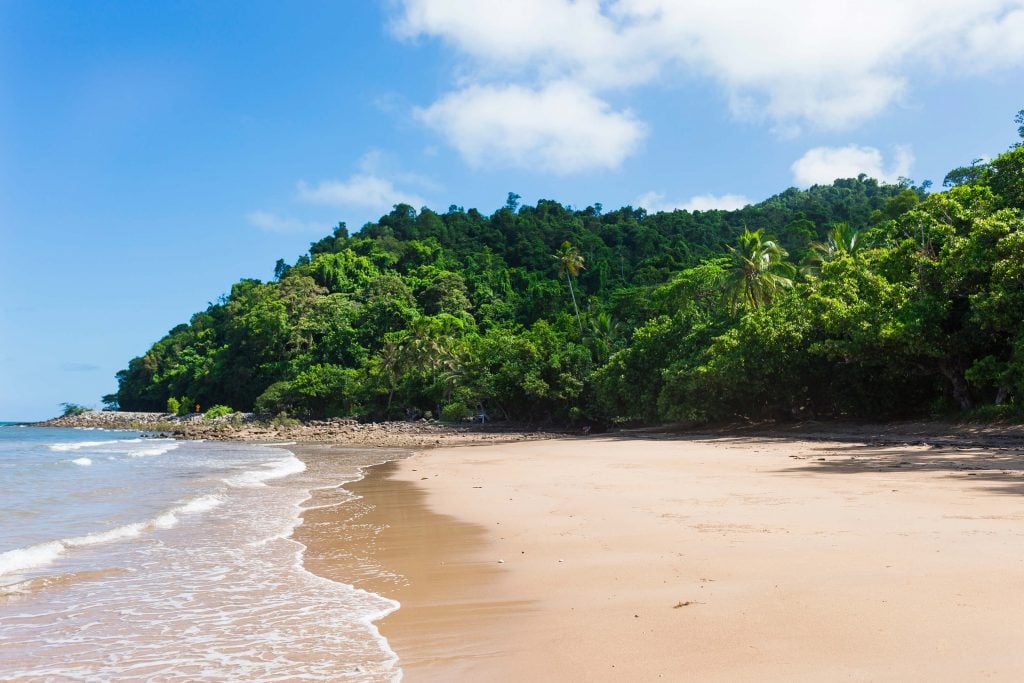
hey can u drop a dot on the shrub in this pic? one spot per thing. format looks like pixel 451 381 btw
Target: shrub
pixel 70 409
pixel 277 398
pixel 282 420
pixel 1007 412
pixel 184 406
pixel 173 406
pixel 218 411
pixel 455 411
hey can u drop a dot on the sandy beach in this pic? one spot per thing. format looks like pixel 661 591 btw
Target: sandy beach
pixel 724 558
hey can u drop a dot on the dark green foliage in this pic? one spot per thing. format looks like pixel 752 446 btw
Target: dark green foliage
pixel 905 301
pixel 185 406
pixel 71 409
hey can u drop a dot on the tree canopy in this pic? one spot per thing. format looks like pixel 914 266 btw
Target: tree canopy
pixel 906 303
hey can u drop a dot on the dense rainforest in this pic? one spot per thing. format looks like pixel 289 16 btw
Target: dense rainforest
pixel 855 299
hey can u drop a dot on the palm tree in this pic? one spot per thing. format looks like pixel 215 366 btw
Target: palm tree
pixel 757 271
pixel 389 363
pixel 605 331
pixel 570 262
pixel 841 239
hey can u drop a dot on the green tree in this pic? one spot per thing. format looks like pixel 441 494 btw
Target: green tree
pixel 757 270
pixel 841 239
pixel 570 263
pixel 72 409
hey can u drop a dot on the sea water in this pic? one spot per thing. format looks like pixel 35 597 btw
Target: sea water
pixel 132 558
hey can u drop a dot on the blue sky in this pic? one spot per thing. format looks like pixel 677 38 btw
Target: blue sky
pixel 153 153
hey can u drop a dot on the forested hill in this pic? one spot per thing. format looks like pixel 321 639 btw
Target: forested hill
pixel 855 299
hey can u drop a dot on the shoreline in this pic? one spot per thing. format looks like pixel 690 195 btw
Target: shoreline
pixel 809 509
pixel 340 432
pixel 427 434
pixel 695 558
pixel 339 529
pixel 328 477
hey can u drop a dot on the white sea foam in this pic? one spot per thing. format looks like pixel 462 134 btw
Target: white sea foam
pixel 270 470
pixel 239 611
pixel 38 555
pixel 42 554
pixel 77 445
pixel 82 461
pixel 148 451
pixel 117 534
pixel 201 504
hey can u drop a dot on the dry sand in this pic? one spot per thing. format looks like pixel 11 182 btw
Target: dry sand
pixel 723 559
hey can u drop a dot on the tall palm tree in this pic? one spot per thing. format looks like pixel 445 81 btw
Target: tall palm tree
pixel 841 239
pixel 570 262
pixel 758 270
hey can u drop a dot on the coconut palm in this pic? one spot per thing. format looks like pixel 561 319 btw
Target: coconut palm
pixel 570 262
pixel 841 239
pixel 604 332
pixel 389 365
pixel 758 270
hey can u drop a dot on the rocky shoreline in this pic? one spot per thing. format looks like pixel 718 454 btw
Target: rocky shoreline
pixel 421 434
pixel 346 432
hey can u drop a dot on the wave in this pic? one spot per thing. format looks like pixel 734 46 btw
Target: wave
pixel 42 554
pixel 76 445
pixel 201 504
pixel 38 555
pixel 269 470
pixel 148 451
pixel 82 461
pixel 152 447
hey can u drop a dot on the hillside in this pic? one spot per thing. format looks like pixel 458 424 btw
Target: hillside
pixel 853 299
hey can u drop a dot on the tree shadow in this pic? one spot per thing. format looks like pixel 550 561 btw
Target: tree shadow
pixel 994 460
pixel 999 469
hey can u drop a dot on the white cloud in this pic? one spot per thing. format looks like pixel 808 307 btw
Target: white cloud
pixel 554 37
pixel 371 187
pixel 362 190
pixel 271 222
pixel 828 64
pixel 822 165
pixel 655 201
pixel 561 127
pixel 997 44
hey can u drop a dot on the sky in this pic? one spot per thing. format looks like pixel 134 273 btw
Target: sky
pixel 151 154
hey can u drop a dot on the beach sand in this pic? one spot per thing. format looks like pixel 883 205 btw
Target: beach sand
pixel 715 559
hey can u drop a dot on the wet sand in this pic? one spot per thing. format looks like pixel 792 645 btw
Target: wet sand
pixel 730 559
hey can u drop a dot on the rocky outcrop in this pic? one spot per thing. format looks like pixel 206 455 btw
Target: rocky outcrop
pixel 341 431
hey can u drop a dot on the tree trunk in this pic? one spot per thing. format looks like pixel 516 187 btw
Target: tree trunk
pixel 961 392
pixel 1001 395
pixel 574 306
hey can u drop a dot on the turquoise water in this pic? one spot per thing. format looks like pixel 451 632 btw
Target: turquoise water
pixel 125 557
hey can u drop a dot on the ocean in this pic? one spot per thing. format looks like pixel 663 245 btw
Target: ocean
pixel 132 558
